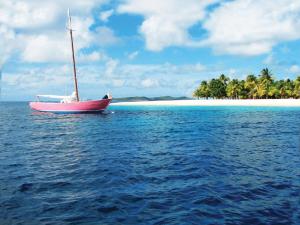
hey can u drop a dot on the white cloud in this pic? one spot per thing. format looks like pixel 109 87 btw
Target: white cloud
pixel 55 46
pixel 104 16
pixel 294 69
pixel 269 59
pixel 240 27
pixel 118 82
pixel 105 36
pixel 166 22
pixel 36 79
pixel 43 48
pixel 160 70
pixel 38 28
pixel 92 57
pixel 231 71
pixel 133 55
pixel 28 14
pixel 7 42
pixel 252 27
pixel 148 83
pixel 98 78
pixel 111 66
pixel 36 14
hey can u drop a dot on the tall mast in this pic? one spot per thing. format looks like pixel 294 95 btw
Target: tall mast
pixel 73 56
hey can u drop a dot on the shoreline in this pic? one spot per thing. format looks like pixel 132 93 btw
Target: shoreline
pixel 217 102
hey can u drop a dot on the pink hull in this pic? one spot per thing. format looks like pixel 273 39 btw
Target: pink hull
pixel 73 107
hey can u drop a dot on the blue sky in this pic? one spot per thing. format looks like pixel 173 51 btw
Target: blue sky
pixel 143 47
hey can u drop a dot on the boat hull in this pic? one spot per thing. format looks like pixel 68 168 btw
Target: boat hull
pixel 94 106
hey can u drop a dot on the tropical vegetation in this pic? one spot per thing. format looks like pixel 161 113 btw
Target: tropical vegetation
pixel 263 86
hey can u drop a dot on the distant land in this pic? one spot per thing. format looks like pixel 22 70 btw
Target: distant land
pixel 142 98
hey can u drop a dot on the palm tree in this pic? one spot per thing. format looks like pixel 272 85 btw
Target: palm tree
pixel 265 79
pixel 266 74
pixel 250 85
pixel 261 90
pixel 196 93
pixel 289 88
pixel 273 91
pixel 296 92
pixel 202 91
pixel 281 88
pixel 233 89
pixel 243 92
pixel 285 88
pixel 263 86
pixel 224 79
pixel 217 88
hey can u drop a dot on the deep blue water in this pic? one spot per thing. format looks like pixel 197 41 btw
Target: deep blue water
pixel 150 165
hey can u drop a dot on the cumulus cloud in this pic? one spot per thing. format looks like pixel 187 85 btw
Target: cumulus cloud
pixel 159 70
pixel 7 42
pixel 269 59
pixel 55 46
pixel 252 27
pixel 44 48
pixel 32 13
pixel 40 27
pixel 118 82
pixel 294 69
pixel 104 16
pixel 107 75
pixel 148 83
pixel 240 27
pixel 111 67
pixel 92 57
pixel 105 36
pixel 133 55
pixel 28 14
pixel 39 78
pixel 166 23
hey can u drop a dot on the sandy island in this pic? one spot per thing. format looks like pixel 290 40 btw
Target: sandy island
pixel 222 102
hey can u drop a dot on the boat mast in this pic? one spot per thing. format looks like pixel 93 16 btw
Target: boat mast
pixel 73 56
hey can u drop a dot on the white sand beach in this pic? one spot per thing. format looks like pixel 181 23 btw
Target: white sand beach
pixel 221 102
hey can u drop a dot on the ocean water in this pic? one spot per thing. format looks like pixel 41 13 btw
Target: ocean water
pixel 150 165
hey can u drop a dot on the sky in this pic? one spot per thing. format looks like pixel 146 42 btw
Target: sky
pixel 143 47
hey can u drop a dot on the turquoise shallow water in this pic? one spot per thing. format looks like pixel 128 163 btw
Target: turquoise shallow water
pixel 150 165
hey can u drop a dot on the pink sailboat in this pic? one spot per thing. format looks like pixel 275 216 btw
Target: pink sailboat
pixel 71 104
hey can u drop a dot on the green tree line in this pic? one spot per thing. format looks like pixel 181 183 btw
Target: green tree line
pixel 263 86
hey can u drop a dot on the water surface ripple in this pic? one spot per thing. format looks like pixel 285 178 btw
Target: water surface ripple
pixel 150 165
